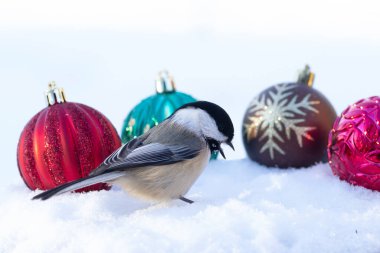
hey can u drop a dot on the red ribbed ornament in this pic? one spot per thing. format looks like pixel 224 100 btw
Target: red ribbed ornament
pixel 64 142
pixel 354 144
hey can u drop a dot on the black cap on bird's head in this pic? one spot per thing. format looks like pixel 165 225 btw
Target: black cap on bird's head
pixel 222 121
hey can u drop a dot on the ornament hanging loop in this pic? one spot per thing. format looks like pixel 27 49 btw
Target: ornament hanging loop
pixel 306 77
pixel 54 95
pixel 164 82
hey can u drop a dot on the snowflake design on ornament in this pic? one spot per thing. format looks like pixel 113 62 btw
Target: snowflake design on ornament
pixel 276 112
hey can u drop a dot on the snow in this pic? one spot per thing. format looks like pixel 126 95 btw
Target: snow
pixel 222 51
pixel 239 206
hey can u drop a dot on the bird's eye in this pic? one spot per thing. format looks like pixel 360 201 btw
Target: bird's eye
pixel 213 144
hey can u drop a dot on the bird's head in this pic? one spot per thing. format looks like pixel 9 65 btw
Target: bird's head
pixel 207 120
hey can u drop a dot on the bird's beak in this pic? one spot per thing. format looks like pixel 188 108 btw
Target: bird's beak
pixel 229 143
pixel 221 152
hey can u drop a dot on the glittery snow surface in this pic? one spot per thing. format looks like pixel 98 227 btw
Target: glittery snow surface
pixel 239 207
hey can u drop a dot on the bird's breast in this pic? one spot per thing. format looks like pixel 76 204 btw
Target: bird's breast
pixel 164 182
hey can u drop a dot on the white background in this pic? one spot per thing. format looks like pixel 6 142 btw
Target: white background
pixel 107 54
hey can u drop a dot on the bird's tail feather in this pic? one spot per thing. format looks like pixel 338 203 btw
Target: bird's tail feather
pixel 78 184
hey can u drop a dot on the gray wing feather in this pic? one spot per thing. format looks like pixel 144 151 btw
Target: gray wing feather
pixel 135 154
pixel 153 154
pixel 118 155
pixel 78 184
pixel 92 180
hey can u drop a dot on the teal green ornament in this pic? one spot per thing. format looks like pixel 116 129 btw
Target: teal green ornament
pixel 154 109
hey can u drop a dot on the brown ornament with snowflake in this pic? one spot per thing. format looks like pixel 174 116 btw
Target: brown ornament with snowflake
pixel 287 125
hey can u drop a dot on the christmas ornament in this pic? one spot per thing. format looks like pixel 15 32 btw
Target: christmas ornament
pixel 154 109
pixel 64 142
pixel 287 125
pixel 354 144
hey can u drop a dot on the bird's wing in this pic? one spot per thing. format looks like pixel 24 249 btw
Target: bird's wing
pixel 152 154
pixel 116 156
pixel 145 155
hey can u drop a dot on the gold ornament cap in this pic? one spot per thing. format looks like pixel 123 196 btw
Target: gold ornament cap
pixel 306 76
pixel 54 95
pixel 164 82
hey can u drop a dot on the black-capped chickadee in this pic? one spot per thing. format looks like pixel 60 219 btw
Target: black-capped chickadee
pixel 163 163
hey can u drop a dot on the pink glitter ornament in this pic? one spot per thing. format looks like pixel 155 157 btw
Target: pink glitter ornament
pixel 64 142
pixel 354 144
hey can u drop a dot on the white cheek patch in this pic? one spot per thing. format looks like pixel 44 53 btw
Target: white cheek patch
pixel 200 122
pixel 209 127
pixel 189 119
